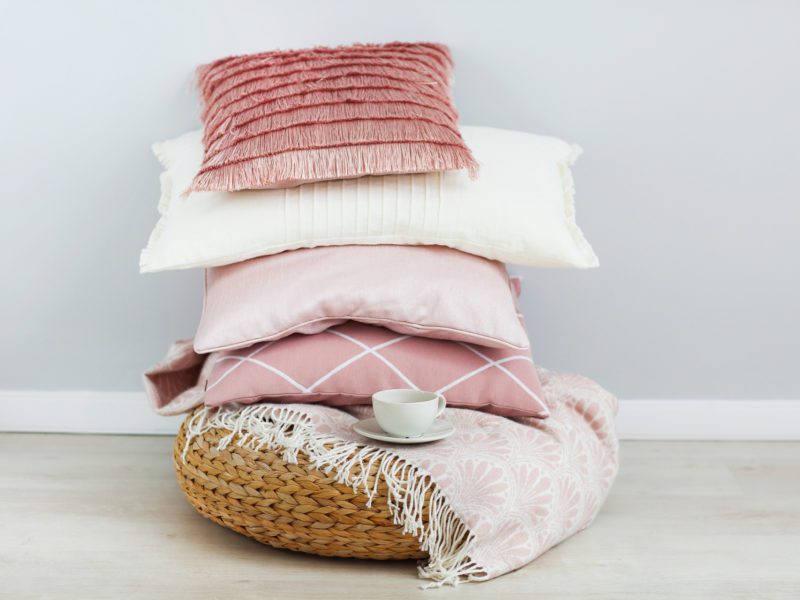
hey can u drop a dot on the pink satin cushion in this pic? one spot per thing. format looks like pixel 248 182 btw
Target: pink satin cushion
pixel 428 291
pixel 346 364
pixel 278 119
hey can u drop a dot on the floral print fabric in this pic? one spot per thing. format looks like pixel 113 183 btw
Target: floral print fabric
pixel 520 485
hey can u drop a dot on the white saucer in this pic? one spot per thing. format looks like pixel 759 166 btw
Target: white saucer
pixel 439 430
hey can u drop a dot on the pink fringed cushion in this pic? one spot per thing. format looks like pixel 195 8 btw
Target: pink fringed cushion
pixel 345 365
pixel 278 119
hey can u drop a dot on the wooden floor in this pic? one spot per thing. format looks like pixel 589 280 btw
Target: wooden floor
pixel 102 517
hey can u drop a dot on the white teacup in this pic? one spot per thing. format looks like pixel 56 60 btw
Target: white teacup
pixel 407 413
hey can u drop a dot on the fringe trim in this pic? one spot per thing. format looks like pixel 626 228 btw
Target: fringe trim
pixel 414 81
pixel 588 259
pixel 445 538
pixel 323 133
pixel 329 131
pixel 306 165
pixel 214 79
pixel 259 105
pixel 164 202
pixel 325 113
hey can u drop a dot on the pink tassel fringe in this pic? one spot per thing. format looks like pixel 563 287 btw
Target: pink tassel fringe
pixel 283 118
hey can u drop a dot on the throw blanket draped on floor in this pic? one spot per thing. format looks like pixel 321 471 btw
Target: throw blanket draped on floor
pixel 505 490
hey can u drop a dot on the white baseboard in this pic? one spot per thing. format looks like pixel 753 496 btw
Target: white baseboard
pixel 129 413
pixel 686 419
pixel 81 412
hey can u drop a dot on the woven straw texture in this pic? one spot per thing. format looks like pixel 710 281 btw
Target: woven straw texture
pixel 292 506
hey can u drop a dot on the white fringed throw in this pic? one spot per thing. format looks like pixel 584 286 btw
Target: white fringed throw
pixel 505 490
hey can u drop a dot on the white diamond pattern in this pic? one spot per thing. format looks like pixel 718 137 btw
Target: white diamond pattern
pixel 373 351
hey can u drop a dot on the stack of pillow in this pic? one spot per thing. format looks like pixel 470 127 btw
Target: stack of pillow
pixel 354 236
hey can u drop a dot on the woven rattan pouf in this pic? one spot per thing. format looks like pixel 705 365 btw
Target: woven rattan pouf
pixel 286 505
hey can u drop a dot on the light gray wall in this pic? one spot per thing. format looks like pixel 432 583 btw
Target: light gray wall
pixel 688 188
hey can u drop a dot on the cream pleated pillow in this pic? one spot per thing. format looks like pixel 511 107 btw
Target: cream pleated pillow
pixel 519 210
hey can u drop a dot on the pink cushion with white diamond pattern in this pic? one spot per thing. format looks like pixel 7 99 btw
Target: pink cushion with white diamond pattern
pixel 346 364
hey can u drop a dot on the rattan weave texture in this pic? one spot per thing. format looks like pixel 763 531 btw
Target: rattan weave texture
pixel 293 506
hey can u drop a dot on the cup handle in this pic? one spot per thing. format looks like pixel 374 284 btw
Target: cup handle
pixel 442 405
